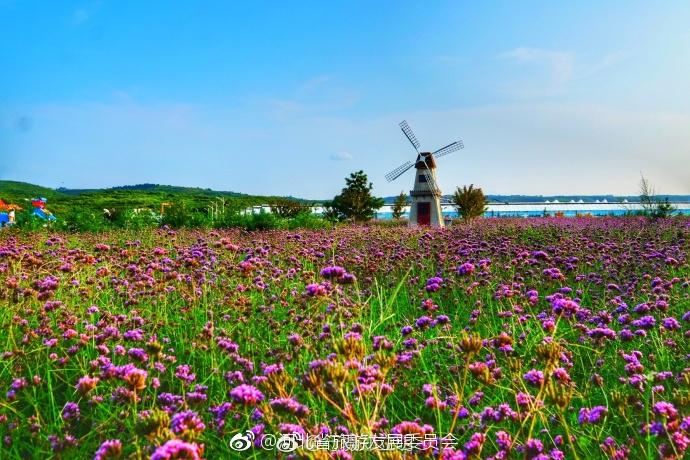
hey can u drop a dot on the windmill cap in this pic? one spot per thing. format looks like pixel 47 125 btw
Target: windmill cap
pixel 427 161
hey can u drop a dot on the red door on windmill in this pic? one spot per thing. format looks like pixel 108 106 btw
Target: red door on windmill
pixel 424 213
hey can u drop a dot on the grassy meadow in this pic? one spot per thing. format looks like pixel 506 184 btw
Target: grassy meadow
pixel 528 338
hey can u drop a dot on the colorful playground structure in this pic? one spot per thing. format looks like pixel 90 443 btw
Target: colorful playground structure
pixel 40 210
pixel 7 211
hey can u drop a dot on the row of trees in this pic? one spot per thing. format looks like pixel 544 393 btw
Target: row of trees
pixel 357 203
pixel 469 202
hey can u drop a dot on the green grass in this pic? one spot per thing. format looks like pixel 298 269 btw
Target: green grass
pixel 386 297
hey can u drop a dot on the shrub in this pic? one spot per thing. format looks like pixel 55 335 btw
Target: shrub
pixel 309 221
pixel 284 207
pixel 138 220
pixel 470 202
pixel 182 215
pixel 85 220
pixel 399 205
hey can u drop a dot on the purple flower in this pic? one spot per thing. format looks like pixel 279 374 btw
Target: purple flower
pixel 476 398
pixel 602 332
pixel 109 449
pixel 523 399
pixel 291 428
pixel 465 269
pixel 474 445
pixel 533 447
pixel 246 394
pixel 227 345
pixel 593 415
pixel 433 284
pixel 184 372
pixel 381 342
pixel 646 322
pixel 187 421
pixel 134 335
pixel 423 322
pixel 671 323
pixel 442 319
pixel 70 411
pixel 177 449
pixel 665 409
pixel 333 272
pixel 408 427
pixel 170 402
pixel 220 412
pixel 314 290
pixel 503 440
pixel 290 405
pixel 138 354
pixel 17 384
pixel 534 377
pixel 566 307
pixel 269 369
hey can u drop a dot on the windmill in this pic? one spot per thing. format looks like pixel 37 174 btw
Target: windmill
pixel 426 196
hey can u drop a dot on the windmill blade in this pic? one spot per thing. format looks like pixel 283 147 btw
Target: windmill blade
pixel 410 135
pixel 450 148
pixel 399 171
pixel 432 182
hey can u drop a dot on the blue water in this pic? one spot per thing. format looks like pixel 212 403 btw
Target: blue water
pixel 609 212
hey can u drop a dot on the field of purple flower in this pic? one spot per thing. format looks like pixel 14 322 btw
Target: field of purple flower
pixel 532 338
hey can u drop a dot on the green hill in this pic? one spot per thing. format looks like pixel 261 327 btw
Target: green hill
pixel 14 191
pixel 149 196
pixel 155 188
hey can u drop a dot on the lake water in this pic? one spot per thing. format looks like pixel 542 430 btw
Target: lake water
pixel 524 209
pixel 539 209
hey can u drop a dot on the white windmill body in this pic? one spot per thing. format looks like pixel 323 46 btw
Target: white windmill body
pixel 425 206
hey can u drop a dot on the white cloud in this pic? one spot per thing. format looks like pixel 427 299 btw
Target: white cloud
pixel 341 156
pixel 561 63
pixel 320 94
pixel 84 14
pixel 561 148
pixel 606 62
pixel 545 72
pixel 80 16
pixel 509 148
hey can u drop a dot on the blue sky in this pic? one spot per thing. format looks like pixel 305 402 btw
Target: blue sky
pixel 289 97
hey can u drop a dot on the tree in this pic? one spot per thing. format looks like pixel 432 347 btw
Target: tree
pixel 355 200
pixel 652 206
pixel 646 195
pixel 329 212
pixel 399 205
pixel 283 207
pixel 470 202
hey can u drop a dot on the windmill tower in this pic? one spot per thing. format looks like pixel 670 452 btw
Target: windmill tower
pixel 426 196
